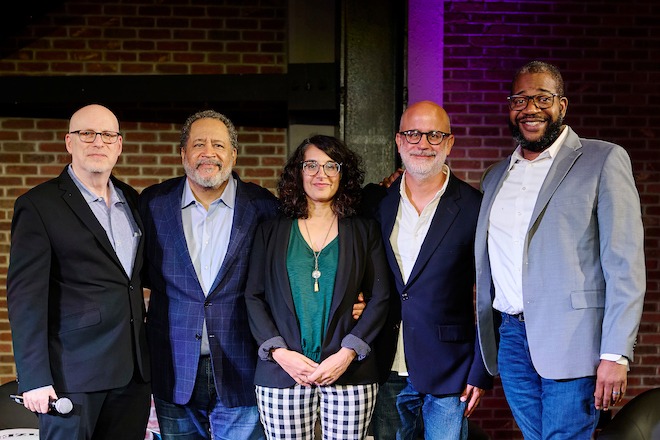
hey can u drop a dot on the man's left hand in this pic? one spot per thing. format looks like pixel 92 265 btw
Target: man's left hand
pixel 359 306
pixel 611 382
pixel 471 395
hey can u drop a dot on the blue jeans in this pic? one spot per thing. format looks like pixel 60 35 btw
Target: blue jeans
pixel 543 408
pixel 385 421
pixel 442 415
pixel 204 417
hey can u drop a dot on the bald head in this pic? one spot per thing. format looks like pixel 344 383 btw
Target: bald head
pixel 425 116
pixel 94 116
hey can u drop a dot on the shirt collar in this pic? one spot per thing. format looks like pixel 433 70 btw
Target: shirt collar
pixel 228 196
pixel 441 191
pixel 88 195
pixel 550 152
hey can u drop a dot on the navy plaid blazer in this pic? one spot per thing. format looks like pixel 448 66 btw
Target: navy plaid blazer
pixel 178 307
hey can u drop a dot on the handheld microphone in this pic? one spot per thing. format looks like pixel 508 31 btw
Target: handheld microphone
pixel 62 405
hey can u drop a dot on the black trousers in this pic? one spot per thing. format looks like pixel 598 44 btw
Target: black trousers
pixel 119 413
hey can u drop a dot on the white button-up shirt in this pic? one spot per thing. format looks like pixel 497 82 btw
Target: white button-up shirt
pixel 509 221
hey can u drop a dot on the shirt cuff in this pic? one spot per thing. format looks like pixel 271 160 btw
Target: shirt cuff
pixel 356 344
pixel 619 359
pixel 266 348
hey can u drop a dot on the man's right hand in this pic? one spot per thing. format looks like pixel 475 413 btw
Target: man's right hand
pixel 387 181
pixel 38 399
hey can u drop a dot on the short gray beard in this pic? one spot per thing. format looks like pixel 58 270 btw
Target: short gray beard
pixel 424 171
pixel 213 182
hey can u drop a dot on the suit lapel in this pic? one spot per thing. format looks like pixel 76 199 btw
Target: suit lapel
pixel 344 264
pixel 499 173
pixel 566 157
pixel 281 246
pixel 172 225
pixel 388 209
pixel 443 218
pixel 74 199
pixel 244 215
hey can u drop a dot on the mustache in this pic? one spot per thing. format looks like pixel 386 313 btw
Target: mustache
pixel 208 162
pixel 424 153
pixel 532 119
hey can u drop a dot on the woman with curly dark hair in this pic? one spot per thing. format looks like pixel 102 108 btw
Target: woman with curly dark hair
pixel 306 271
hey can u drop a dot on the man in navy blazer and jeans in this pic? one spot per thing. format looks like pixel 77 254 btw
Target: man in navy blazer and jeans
pixel 199 232
pixel 428 218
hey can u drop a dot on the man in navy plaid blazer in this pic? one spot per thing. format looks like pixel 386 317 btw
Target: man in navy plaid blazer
pixel 199 230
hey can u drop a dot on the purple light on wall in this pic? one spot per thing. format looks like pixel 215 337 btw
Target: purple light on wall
pixel 425 50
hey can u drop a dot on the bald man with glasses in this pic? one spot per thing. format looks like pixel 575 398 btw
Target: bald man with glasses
pixel 74 292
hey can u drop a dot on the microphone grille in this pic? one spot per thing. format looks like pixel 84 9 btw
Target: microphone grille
pixel 63 405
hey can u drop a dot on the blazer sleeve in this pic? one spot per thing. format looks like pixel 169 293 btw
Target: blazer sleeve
pixel 28 295
pixel 479 375
pixel 621 238
pixel 262 324
pixel 376 288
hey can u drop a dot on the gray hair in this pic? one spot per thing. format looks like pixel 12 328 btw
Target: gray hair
pixel 208 114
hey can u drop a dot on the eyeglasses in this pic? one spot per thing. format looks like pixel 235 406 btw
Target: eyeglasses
pixel 88 136
pixel 542 101
pixel 433 137
pixel 312 167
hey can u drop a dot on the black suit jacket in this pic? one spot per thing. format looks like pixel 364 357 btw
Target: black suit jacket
pixel 361 268
pixel 436 303
pixel 77 319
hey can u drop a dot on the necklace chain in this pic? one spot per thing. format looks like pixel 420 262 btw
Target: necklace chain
pixel 316 273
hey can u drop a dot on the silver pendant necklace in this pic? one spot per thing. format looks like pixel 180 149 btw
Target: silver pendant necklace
pixel 316 273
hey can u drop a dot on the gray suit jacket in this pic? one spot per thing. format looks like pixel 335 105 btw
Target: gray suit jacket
pixel 583 263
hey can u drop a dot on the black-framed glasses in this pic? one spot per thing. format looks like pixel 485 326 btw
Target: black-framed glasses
pixel 312 167
pixel 434 137
pixel 88 136
pixel 541 101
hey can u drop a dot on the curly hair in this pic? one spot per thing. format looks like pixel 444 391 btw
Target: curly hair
pixel 208 114
pixel 293 200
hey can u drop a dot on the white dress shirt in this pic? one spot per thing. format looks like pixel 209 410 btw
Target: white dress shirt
pixel 509 221
pixel 408 235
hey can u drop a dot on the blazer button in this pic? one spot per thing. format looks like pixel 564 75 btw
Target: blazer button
pixel 198 336
pixel 404 296
pixel 207 304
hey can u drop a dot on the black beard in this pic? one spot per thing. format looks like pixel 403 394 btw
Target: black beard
pixel 550 135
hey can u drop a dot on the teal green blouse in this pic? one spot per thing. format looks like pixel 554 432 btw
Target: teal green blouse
pixel 312 308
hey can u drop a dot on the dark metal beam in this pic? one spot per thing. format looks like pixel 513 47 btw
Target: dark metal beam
pixel 307 93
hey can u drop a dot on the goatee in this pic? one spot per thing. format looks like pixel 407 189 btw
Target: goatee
pixel 550 135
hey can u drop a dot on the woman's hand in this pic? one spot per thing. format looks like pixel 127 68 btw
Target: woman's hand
pixel 333 367
pixel 298 366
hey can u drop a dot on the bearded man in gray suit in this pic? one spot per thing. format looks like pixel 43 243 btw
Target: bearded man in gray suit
pixel 560 266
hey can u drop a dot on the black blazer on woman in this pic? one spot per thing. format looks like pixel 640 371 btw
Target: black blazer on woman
pixel 362 267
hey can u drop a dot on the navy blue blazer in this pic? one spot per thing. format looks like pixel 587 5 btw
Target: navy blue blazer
pixel 77 318
pixel 436 304
pixel 178 307
pixel 361 268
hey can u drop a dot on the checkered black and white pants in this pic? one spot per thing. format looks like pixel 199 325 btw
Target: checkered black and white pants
pixel 291 413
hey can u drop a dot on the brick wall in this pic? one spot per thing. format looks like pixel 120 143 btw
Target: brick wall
pixel 131 37
pixel 608 52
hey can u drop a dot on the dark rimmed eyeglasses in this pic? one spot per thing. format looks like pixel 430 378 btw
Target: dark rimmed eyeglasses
pixel 541 101
pixel 434 137
pixel 88 136
pixel 312 167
